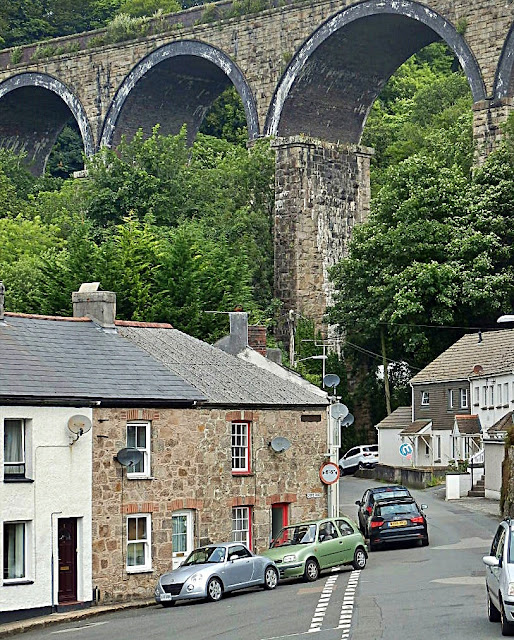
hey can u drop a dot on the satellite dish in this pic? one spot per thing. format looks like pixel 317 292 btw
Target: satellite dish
pixel 79 425
pixel 331 380
pixel 129 457
pixel 347 420
pixel 280 444
pixel 338 411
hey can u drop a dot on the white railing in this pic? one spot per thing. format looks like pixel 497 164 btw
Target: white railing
pixel 477 458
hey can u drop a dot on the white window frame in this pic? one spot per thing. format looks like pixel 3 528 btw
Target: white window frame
pixel 477 395
pixel 241 525
pixel 425 398
pixel 145 462
pixel 506 394
pixel 22 462
pixel 491 390
pixel 240 446
pixel 146 542
pixel 451 402
pixel 464 398
pixel 484 396
pixel 25 556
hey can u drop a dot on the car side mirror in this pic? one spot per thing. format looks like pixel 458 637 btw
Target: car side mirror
pixel 358 503
pixel 491 561
pixel 424 506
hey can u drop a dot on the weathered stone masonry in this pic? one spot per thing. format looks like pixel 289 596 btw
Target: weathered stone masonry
pixel 191 468
pixel 308 71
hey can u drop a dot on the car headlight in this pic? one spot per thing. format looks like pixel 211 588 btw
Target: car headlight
pixel 289 558
pixel 511 588
pixel 194 578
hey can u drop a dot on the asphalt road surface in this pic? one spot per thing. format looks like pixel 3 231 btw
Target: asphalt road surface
pixel 419 593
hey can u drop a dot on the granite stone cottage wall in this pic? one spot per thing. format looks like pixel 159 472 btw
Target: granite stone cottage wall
pixel 191 469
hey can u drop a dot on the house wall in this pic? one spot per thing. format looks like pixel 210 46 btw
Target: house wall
pixel 490 412
pixel 61 488
pixel 389 447
pixel 389 441
pixel 494 453
pixel 438 410
pixel 191 468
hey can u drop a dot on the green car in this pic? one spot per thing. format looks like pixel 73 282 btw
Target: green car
pixel 307 548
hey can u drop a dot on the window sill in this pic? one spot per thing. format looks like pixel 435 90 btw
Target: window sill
pixel 132 570
pixel 22 480
pixel 241 474
pixel 16 583
pixel 134 477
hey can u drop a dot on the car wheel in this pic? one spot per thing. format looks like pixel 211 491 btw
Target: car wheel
pixel 492 612
pixel 166 605
pixel 341 470
pixel 359 558
pixel 270 578
pixel 507 627
pixel 372 546
pixel 425 542
pixel 214 590
pixel 311 573
pixel 360 466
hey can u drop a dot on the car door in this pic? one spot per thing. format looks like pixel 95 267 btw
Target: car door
pixel 348 540
pixel 493 573
pixel 329 547
pixel 240 567
pixel 350 458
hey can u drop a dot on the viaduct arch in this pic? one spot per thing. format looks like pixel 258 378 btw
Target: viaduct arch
pixel 339 55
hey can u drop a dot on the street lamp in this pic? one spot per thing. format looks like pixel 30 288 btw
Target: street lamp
pixel 320 357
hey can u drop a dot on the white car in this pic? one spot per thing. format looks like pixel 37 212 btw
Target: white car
pixel 365 456
pixel 499 578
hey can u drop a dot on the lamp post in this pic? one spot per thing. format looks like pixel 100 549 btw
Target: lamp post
pixel 320 357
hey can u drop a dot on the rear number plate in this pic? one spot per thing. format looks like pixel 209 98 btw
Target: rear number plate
pixel 398 523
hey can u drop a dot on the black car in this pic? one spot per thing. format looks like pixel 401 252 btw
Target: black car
pixel 375 495
pixel 397 520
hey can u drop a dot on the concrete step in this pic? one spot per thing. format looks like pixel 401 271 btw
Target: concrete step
pixel 476 493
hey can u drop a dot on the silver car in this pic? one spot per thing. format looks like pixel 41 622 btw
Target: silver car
pixel 213 570
pixel 499 578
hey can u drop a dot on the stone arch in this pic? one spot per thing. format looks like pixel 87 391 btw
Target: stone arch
pixel 20 130
pixel 504 78
pixel 353 54
pixel 181 66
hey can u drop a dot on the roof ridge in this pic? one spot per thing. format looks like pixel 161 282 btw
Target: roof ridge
pixel 147 325
pixel 36 316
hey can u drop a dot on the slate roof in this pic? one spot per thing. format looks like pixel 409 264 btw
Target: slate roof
pixel 398 419
pixel 468 424
pixel 470 358
pixel 223 378
pixel 415 427
pixel 67 359
pixel 503 423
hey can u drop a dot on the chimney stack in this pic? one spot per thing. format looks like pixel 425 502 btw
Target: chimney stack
pixel 2 300
pixel 257 338
pixel 100 306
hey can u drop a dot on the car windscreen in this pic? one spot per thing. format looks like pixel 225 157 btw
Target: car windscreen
pixel 296 534
pixel 206 554
pixel 398 509
pixel 393 493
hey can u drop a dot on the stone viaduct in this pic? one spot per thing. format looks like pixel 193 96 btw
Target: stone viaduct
pixel 307 74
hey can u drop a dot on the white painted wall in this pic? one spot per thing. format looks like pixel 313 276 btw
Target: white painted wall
pixel 388 447
pixel 494 452
pixel 389 441
pixel 490 412
pixel 62 486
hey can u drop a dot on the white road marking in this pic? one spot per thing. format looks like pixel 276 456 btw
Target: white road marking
pixel 88 625
pixel 346 615
pixel 464 580
pixel 321 608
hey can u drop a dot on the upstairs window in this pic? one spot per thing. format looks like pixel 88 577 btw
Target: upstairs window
pixel 451 399
pixel 14 448
pixel 240 447
pixel 425 398
pixel 138 437
pixel 464 399
pixel 476 393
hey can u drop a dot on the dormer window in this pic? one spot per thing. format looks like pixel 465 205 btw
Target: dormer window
pixel 425 398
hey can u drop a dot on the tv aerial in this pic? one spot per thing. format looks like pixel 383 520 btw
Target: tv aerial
pixel 78 425
pixel 129 457
pixel 280 444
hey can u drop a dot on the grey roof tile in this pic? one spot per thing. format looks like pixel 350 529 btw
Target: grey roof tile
pixel 469 357
pixel 223 378
pixel 45 358
pixel 399 418
pixel 415 427
pixel 468 424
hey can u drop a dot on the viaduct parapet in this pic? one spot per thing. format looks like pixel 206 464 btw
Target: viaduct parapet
pixel 307 74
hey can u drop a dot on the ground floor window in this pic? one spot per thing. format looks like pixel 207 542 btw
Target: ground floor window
pixel 15 550
pixel 241 525
pixel 139 542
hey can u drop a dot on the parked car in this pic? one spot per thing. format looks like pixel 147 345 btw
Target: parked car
pixel 210 571
pixel 363 456
pixel 499 578
pixel 397 520
pixel 307 548
pixel 365 506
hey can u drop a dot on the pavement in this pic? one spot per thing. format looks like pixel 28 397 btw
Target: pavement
pixel 482 505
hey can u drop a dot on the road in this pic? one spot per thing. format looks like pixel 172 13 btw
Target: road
pixel 415 592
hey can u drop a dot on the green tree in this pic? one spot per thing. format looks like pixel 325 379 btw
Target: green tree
pixel 140 8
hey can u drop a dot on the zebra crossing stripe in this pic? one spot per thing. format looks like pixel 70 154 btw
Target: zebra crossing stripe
pixel 321 607
pixel 345 618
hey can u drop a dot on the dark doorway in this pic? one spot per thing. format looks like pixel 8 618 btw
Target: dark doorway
pixel 67 542
pixel 278 517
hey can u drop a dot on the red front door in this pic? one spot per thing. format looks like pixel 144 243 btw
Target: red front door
pixel 67 544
